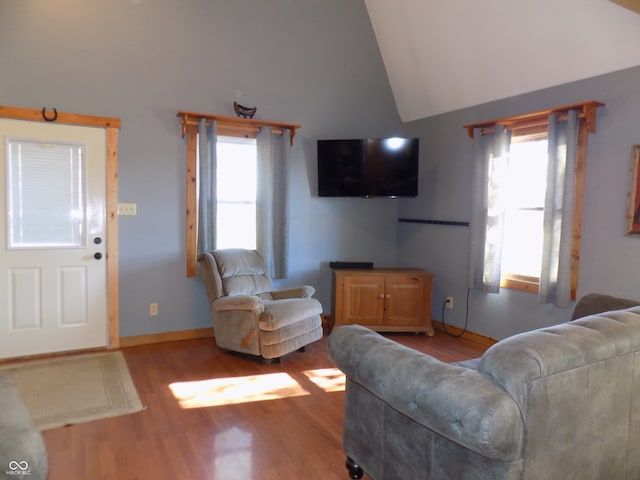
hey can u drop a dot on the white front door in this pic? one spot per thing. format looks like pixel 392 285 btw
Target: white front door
pixel 53 281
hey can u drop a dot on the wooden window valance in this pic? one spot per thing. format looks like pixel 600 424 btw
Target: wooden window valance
pixel 227 126
pixel 233 126
pixel 537 121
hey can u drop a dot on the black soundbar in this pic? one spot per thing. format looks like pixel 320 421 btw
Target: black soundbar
pixel 360 265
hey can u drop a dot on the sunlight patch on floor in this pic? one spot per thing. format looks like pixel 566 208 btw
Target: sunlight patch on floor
pixel 328 379
pixel 254 388
pixel 232 391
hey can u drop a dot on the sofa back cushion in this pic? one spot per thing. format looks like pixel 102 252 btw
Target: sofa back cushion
pixel 515 362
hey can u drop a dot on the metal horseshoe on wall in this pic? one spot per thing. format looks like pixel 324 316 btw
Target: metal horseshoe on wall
pixel 49 119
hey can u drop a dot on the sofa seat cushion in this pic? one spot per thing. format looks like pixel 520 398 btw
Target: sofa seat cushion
pixel 280 313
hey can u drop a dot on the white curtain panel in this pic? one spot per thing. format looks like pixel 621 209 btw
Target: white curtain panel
pixel 207 194
pixel 489 170
pixel 555 275
pixel 272 200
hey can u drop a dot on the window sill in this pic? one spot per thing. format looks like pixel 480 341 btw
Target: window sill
pixel 520 282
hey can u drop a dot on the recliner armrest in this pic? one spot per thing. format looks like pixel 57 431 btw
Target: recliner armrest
pixel 457 403
pixel 304 291
pixel 238 302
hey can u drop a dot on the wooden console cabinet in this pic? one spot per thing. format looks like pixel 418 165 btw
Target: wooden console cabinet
pixel 383 299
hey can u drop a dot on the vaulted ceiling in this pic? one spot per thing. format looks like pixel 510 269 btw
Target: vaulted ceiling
pixel 444 55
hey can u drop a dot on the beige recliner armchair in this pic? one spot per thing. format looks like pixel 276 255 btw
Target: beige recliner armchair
pixel 247 315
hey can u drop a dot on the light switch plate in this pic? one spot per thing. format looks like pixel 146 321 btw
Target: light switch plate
pixel 126 209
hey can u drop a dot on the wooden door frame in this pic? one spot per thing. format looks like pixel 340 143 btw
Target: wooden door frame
pixel 111 126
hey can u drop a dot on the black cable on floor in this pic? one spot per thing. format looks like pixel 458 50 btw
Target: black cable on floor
pixel 466 318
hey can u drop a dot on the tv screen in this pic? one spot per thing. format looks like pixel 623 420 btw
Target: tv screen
pixel 371 167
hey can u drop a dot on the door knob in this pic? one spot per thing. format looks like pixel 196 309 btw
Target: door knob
pixel 97 240
pixel 97 255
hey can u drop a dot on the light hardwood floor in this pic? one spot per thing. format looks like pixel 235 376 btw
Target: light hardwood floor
pixel 209 416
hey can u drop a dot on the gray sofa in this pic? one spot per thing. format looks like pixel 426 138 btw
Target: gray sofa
pixel 22 450
pixel 556 403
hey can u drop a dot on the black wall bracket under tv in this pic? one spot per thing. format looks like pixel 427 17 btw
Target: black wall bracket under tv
pixel 434 222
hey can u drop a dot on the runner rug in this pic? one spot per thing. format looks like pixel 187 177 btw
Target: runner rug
pixel 80 388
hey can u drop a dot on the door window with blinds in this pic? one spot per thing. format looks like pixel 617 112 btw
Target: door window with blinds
pixel 45 194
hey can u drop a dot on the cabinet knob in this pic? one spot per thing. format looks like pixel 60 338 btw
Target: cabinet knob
pixel 388 296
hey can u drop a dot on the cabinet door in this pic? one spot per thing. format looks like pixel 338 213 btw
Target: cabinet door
pixel 405 300
pixel 363 298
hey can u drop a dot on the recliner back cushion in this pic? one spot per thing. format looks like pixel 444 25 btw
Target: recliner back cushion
pixel 242 272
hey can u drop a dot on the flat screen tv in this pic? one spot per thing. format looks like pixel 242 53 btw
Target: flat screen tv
pixel 369 167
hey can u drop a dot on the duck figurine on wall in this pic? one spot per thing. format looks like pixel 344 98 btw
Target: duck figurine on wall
pixel 244 112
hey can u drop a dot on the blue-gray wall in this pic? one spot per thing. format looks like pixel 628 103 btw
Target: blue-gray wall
pixel 315 63
pixel 610 261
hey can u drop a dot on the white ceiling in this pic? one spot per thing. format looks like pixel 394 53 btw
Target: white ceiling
pixel 444 55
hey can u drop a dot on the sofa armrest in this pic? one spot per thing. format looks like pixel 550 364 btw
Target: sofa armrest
pixel 238 302
pixel 304 291
pixel 20 440
pixel 457 403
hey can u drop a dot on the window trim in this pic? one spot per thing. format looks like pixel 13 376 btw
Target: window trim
pixel 229 127
pixel 537 124
pixel 520 282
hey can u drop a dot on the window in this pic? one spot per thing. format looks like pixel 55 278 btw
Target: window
pixel 236 187
pixel 274 157
pixel 527 208
pixel 523 234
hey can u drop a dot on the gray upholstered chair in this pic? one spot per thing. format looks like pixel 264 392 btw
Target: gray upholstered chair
pixel 247 315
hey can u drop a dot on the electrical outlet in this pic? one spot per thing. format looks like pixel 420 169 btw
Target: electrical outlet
pixel 449 303
pixel 153 309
